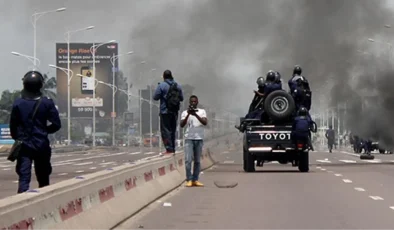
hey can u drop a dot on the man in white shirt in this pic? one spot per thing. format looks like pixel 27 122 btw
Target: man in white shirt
pixel 194 119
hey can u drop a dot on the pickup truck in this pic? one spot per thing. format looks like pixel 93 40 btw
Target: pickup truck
pixel 270 140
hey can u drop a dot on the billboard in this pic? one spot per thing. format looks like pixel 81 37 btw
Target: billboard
pixel 81 89
pixel 5 135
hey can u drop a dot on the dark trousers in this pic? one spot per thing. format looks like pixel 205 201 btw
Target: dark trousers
pixel 168 124
pixel 42 167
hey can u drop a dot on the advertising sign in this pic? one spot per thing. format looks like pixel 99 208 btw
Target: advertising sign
pixel 5 135
pixel 81 88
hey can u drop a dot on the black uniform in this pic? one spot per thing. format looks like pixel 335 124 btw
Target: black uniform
pixel 33 132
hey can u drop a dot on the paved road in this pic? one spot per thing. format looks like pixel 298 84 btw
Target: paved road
pixel 69 165
pixel 340 192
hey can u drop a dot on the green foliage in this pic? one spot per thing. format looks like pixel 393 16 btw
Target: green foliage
pixel 49 88
pixel 6 101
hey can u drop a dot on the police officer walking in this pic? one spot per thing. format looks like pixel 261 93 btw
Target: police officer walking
pixel 29 123
pixel 330 135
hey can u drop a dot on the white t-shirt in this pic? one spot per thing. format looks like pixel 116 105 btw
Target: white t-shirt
pixel 194 128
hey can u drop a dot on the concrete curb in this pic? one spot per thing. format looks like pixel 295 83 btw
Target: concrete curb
pixel 100 200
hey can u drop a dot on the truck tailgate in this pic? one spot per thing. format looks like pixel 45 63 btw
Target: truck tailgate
pixel 266 138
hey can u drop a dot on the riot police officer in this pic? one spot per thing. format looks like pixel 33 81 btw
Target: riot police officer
pixel 302 126
pixel 271 83
pixel 297 71
pixel 33 131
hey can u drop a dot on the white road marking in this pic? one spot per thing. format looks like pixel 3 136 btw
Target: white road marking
pixel 79 171
pixel 89 158
pixel 60 164
pixel 85 163
pixel 323 169
pixel 228 162
pixel 62 174
pixel 338 174
pixel 93 168
pixel 376 197
pixel 134 153
pixel 373 161
pixel 324 161
pixel 318 167
pixel 6 169
pixel 225 152
pixel 348 161
pixel 392 207
pixel 107 163
pixel 149 153
pixel 15 181
pixel 347 181
pixel 330 171
pixel 360 189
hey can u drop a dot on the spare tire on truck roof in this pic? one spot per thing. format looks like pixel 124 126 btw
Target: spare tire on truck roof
pixel 279 105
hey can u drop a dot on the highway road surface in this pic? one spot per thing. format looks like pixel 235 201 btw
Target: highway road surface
pixel 340 192
pixel 69 165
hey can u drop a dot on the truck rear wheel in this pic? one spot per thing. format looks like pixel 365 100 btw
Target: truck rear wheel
pixel 248 162
pixel 303 164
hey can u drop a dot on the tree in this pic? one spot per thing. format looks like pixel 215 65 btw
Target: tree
pixel 6 101
pixel 49 87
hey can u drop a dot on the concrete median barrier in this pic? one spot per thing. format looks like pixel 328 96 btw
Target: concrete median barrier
pixel 100 200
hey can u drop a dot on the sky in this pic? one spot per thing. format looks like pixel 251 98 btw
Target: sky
pixel 219 46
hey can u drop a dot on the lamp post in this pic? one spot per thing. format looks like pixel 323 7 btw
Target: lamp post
pixel 34 20
pixel 68 38
pixel 114 89
pixel 30 58
pixel 129 95
pixel 67 71
pixel 113 59
pixel 93 50
pixel 150 112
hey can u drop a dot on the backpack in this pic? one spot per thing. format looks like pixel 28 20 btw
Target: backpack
pixel 173 98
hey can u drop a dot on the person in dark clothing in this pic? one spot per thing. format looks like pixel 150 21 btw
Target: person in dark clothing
pixel 297 71
pixel 170 95
pixel 367 146
pixel 33 132
pixel 330 135
pixel 271 83
pixel 302 94
pixel 302 126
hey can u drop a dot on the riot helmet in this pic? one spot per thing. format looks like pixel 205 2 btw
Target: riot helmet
pixel 271 76
pixel 302 111
pixel 260 81
pixel 33 81
pixel 297 70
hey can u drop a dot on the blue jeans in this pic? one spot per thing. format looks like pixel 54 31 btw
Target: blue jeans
pixel 193 151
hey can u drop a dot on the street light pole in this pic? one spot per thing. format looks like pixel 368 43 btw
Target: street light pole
pixel 68 38
pixel 93 50
pixel 113 59
pixel 141 137
pixel 150 113
pixel 114 89
pixel 35 18
pixel 30 58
